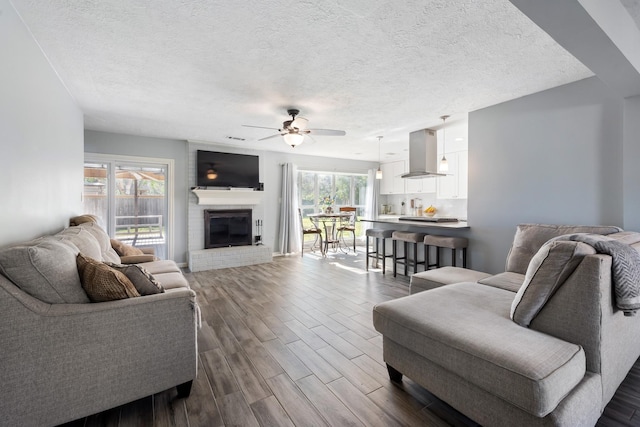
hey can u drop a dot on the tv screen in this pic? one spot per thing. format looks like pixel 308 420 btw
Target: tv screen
pixel 216 169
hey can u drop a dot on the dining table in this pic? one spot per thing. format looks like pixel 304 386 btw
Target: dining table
pixel 328 221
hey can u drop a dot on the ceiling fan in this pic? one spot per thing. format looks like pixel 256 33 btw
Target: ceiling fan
pixel 294 130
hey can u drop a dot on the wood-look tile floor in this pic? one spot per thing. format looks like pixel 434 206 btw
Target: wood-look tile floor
pixel 291 343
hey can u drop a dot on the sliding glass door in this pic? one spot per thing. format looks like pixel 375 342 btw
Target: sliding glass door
pixel 131 197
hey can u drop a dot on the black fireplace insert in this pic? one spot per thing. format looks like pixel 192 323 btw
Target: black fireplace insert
pixel 224 228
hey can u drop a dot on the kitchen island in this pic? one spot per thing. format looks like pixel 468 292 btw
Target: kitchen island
pixel 452 229
pixel 395 221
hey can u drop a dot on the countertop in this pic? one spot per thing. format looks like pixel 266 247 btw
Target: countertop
pixel 384 219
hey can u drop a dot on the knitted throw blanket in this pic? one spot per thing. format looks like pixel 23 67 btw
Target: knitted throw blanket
pixel 625 268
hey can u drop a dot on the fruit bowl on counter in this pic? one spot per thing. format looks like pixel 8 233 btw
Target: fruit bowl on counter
pixel 430 211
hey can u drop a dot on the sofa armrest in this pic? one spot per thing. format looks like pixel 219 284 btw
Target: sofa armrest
pixel 583 312
pixel 137 259
pixel 148 251
pixel 79 359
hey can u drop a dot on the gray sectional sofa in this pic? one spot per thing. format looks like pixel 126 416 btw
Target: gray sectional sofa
pixel 63 357
pixel 542 344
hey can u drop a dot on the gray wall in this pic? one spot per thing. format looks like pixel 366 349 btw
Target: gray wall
pixel 631 168
pixel 551 157
pixel 139 146
pixel 40 138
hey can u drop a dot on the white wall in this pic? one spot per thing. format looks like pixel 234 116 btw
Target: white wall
pixel 41 132
pixel 271 176
pixel 140 146
pixel 551 157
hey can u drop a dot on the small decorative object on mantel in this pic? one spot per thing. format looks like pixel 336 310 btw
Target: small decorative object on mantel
pixel 328 210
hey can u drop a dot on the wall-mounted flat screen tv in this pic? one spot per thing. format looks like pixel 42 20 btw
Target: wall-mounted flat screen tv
pixel 217 169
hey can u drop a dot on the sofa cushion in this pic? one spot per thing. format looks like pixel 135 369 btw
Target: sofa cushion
pixel 143 281
pixel 46 269
pixel 548 270
pixel 172 280
pixel 478 341
pixel 82 239
pixel 508 281
pixel 530 237
pixel 162 266
pixel 435 278
pixel 103 283
pixel 107 252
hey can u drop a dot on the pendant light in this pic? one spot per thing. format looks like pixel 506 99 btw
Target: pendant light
pixel 379 171
pixel 444 165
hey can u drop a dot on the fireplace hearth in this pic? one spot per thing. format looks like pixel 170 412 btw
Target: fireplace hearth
pixel 229 227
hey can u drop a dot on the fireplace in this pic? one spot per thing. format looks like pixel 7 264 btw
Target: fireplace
pixel 224 228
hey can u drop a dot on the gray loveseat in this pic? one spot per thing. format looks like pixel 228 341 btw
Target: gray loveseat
pixel 63 357
pixel 459 341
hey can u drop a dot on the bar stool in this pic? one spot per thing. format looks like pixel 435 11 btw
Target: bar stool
pixel 378 233
pixel 452 243
pixel 406 237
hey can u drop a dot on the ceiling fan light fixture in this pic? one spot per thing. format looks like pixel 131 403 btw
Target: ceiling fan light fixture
pixel 212 174
pixel 300 123
pixel 293 139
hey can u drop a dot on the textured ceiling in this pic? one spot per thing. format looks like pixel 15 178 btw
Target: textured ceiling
pixel 200 69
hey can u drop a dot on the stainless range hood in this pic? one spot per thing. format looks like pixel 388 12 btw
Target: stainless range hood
pixel 423 154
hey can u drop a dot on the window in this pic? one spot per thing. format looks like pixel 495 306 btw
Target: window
pixel 316 190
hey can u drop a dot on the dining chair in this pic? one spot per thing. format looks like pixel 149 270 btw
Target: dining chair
pixel 313 230
pixel 347 225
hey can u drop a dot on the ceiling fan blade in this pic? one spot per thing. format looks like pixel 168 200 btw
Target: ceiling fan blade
pixel 269 137
pixel 327 132
pixel 259 127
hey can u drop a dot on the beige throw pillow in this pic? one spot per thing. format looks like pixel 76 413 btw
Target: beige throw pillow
pixel 81 219
pixel 549 268
pixel 103 283
pixel 125 250
pixel 143 281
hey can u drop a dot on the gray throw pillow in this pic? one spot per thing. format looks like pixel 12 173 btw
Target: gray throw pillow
pixel 549 268
pixel 530 237
pixel 143 281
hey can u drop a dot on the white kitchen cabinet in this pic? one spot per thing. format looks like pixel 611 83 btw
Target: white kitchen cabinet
pixel 392 183
pixel 420 185
pixel 454 185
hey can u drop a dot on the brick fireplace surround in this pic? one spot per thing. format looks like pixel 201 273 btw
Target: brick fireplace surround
pixel 201 259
